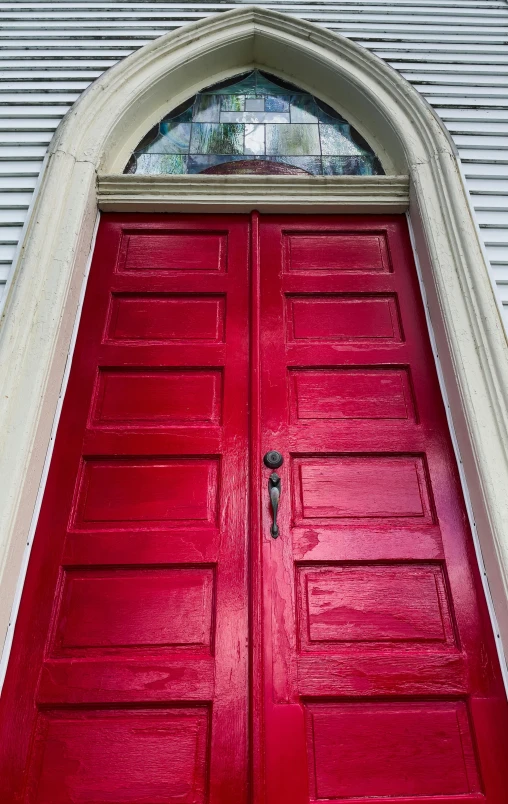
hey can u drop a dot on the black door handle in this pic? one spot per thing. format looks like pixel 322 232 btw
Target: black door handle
pixel 273 460
pixel 274 491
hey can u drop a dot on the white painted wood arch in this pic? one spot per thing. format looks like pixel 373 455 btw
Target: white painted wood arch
pixel 96 138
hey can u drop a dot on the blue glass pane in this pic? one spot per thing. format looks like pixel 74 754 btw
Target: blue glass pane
pixel 173 139
pixel 259 119
pixel 276 104
pixel 292 140
pixel 216 138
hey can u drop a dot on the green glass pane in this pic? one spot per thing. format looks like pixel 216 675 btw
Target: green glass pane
pixel 303 109
pixel 206 109
pixel 184 116
pixel 160 164
pixel 334 141
pixel 216 138
pixel 292 140
pixel 232 103
pixel 349 165
pixel 265 87
pixel 244 86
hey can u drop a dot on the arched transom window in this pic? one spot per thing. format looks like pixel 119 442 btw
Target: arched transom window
pixel 254 123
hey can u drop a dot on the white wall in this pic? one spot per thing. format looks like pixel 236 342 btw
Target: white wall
pixel 453 52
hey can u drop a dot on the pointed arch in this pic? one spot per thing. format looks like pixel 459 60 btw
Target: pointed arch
pixel 95 140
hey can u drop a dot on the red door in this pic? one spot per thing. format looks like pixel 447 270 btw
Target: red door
pixel 368 671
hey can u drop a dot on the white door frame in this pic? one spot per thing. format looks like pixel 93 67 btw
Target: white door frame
pixel 82 171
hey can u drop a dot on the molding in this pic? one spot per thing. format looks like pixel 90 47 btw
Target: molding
pixel 124 193
pixel 97 136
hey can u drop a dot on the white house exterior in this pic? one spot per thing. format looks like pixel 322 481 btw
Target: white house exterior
pixel 425 87
pixel 454 54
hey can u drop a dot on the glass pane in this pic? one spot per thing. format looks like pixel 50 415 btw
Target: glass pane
pixel 303 109
pixel 349 166
pixel 160 164
pixel 183 112
pixel 254 104
pixel 254 139
pixel 173 139
pixel 232 103
pixel 206 109
pixel 311 164
pixel 274 104
pixel 254 117
pixel 328 115
pixel 266 87
pixel 244 86
pixel 261 120
pixel 216 138
pixel 293 140
pixel 198 163
pixel 335 142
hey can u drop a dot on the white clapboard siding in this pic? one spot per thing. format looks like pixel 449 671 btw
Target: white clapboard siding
pixel 453 52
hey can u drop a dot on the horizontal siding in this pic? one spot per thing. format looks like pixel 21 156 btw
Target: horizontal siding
pixel 454 53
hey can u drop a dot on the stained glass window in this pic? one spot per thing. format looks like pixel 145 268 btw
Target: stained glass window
pixel 254 123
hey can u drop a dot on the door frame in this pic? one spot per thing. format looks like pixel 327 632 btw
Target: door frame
pixel 81 175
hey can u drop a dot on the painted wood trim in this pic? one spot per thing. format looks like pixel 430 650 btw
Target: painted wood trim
pixel 97 136
pixel 124 193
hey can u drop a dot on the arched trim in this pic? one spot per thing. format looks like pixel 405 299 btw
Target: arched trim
pixel 97 136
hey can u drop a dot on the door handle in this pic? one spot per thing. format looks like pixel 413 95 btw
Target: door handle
pixel 274 491
pixel 273 460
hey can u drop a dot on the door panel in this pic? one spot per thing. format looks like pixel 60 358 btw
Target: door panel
pixel 141 684
pixel 167 647
pixel 374 628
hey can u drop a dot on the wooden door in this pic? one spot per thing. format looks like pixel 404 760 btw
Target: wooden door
pixel 205 342
pixel 128 677
pixel 381 679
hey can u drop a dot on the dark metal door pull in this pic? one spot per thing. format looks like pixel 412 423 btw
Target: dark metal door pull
pixel 274 491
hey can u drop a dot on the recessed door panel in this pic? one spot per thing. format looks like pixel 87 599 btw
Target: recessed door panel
pixel 390 750
pixel 151 317
pixel 171 607
pixel 114 756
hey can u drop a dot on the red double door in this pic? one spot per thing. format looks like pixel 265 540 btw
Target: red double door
pixel 169 649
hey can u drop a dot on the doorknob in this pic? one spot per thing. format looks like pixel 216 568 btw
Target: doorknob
pixel 273 460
